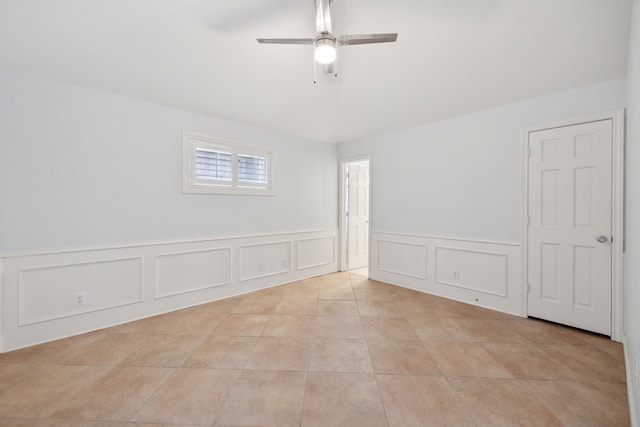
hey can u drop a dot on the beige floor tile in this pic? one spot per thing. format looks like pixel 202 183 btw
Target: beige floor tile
pixel 616 390
pixel 340 355
pixel 299 307
pixel 150 325
pixel 280 353
pixel 313 282
pixel 417 308
pixel 598 364
pixel 86 423
pixel 49 352
pixel 501 402
pixel 290 326
pixel 359 272
pixel 614 349
pixel 301 293
pixel 162 350
pixel 379 308
pixel 336 284
pixel 421 401
pixel 249 325
pixel 369 294
pixel 531 361
pixel 541 332
pixel 578 403
pixel 467 311
pixel 28 422
pixel 359 280
pixel 363 282
pixel 256 306
pixel 187 322
pixel 13 373
pixel 103 350
pixel 401 357
pixel 224 306
pixel 47 388
pixel 117 395
pixel 265 398
pixel 200 324
pixel 465 359
pixel 398 293
pixel 313 360
pixel 337 308
pixel 438 329
pixel 338 294
pixel 189 396
pixel 269 293
pixel 340 399
pixel 224 352
pixel 342 280
pixel 339 327
pixel 493 330
pixel 388 328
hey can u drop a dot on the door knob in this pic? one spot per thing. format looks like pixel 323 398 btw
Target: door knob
pixel 602 238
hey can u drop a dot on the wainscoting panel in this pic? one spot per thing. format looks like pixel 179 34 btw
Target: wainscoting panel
pixel 482 273
pixel 264 259
pixel 51 295
pixel 474 270
pixel 402 258
pixel 182 272
pixel 50 292
pixel 315 252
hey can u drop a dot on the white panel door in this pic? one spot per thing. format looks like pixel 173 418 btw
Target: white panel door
pixel 569 230
pixel 358 216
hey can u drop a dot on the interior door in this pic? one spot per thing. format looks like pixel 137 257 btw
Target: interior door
pixel 358 215
pixel 569 225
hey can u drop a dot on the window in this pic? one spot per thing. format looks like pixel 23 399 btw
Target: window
pixel 218 166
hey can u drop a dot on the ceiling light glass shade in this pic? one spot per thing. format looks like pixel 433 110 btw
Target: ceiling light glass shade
pixel 325 51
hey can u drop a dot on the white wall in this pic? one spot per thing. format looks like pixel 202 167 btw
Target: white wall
pixel 633 216
pixel 91 202
pixel 448 196
pixel 462 177
pixel 82 167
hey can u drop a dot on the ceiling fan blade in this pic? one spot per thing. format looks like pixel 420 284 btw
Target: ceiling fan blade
pixel 367 38
pixel 286 41
pixel 323 16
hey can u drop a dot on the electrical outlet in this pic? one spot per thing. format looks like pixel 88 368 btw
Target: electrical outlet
pixel 80 298
pixel 263 266
pixel 285 262
pixel 455 274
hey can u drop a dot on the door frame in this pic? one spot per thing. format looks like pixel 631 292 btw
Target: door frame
pixel 342 214
pixel 617 209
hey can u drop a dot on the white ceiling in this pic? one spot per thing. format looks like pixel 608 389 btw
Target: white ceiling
pixel 452 56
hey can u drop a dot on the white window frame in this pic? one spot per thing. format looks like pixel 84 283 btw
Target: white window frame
pixel 190 184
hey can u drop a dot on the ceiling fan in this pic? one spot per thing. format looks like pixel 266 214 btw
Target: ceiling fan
pixel 326 43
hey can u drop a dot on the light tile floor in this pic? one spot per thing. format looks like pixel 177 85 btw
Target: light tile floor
pixel 337 350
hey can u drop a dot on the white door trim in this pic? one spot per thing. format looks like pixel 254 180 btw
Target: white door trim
pixel 617 214
pixel 342 262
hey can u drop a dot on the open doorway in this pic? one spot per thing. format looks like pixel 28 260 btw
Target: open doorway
pixel 354 202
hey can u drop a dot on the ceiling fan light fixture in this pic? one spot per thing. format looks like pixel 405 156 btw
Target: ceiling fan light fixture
pixel 325 52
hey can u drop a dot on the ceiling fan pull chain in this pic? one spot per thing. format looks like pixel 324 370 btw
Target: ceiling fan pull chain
pixel 315 67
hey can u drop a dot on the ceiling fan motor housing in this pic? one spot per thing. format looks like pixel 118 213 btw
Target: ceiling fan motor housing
pixel 325 52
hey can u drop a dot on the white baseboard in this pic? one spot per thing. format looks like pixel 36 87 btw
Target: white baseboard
pixel 125 283
pixel 482 273
pixel 629 369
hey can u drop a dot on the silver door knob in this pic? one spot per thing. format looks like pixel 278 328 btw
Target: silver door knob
pixel 602 238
